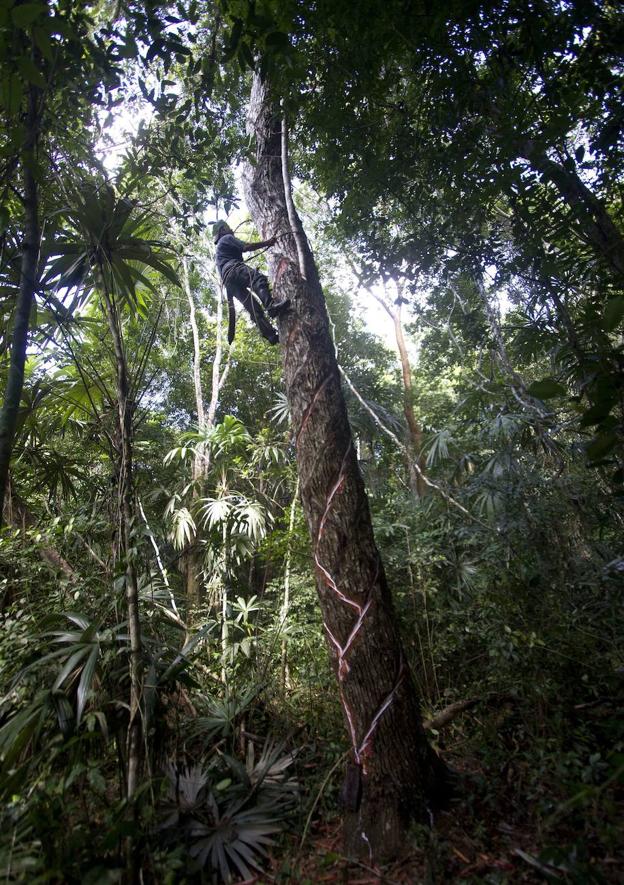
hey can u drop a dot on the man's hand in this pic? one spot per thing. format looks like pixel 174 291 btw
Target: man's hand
pixel 263 244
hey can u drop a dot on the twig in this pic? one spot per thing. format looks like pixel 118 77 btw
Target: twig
pixel 374 870
pixel 304 835
pixel 433 485
pixel 161 568
pixel 449 713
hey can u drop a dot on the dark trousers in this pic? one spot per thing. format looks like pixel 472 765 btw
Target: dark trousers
pixel 239 279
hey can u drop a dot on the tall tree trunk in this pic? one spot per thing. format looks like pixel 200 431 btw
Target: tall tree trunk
pixel 225 636
pixel 393 767
pixel 126 518
pixel 26 293
pixel 197 384
pixel 218 377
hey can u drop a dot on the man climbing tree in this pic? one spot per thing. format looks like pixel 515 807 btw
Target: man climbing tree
pixel 245 282
pixel 393 771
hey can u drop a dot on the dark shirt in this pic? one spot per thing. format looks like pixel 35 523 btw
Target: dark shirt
pixel 229 249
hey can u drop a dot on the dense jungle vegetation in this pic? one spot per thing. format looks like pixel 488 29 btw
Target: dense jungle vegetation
pixel 175 705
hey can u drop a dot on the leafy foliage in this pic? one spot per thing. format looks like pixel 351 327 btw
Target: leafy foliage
pixel 470 155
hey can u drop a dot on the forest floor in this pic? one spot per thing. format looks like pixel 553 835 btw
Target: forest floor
pixel 478 839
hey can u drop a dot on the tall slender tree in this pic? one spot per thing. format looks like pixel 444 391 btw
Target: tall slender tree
pixel 27 287
pixel 393 769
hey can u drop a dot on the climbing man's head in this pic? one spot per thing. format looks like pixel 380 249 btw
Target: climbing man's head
pixel 220 229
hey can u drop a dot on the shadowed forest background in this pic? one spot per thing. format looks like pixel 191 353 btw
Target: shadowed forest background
pixel 175 706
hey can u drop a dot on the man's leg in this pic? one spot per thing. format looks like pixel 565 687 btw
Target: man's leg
pixel 255 311
pixel 239 283
pixel 260 285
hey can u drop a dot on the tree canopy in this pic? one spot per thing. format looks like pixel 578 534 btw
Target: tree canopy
pixel 434 452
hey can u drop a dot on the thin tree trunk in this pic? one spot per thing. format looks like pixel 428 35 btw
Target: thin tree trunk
pixel 26 293
pixel 393 767
pixel 286 598
pixel 199 394
pixel 224 604
pixel 217 379
pixel 413 457
pixel 413 427
pixel 205 419
pixel 126 517
pixel 193 560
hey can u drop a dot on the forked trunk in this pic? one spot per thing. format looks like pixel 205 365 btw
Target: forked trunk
pixel 393 769
pixel 195 590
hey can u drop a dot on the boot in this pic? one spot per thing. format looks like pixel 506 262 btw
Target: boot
pixel 272 338
pixel 277 308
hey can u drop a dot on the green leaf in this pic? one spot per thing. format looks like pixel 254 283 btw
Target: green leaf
pixel 11 92
pixel 596 413
pixel 86 680
pixel 547 388
pixel 31 72
pixel 25 14
pixel 613 313
pixel 601 445
pixel 278 41
pixel 164 269
pixel 70 665
pixel 43 43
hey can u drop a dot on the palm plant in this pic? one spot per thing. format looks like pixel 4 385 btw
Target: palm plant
pixel 232 519
pixel 79 656
pixel 228 812
pixel 108 249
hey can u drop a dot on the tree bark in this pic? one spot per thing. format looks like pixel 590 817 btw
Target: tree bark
pixel 26 293
pixel 393 769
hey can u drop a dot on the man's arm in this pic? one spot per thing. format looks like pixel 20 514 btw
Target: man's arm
pixel 251 247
